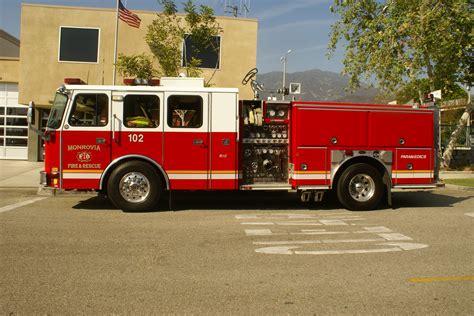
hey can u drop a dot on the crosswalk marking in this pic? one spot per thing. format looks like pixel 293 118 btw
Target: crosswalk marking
pixel 20 204
pixel 380 239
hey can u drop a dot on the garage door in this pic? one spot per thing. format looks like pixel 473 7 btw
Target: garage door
pixel 13 124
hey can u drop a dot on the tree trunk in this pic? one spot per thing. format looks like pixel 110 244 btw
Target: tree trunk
pixel 448 152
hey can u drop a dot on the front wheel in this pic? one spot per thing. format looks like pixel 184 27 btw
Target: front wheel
pixel 360 187
pixel 134 186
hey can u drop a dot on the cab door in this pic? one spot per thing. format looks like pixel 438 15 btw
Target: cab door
pixel 137 127
pixel 186 141
pixel 86 140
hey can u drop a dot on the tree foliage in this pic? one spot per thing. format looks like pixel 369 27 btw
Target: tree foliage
pixel 410 91
pixel 166 34
pixel 397 42
pixel 140 66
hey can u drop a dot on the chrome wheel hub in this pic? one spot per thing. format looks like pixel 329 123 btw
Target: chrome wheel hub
pixel 134 187
pixel 362 187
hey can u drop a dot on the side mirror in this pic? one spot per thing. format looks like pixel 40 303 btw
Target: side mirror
pixel 31 113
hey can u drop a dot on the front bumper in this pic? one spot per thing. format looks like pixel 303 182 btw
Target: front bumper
pixel 43 178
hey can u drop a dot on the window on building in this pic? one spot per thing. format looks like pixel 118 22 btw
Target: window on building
pixel 185 111
pixel 89 109
pixel 141 111
pixel 209 56
pixel 79 44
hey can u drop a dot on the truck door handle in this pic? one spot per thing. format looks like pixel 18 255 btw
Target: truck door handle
pixel 114 119
pixel 100 141
pixel 198 141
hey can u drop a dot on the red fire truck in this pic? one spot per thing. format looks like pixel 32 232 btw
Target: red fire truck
pixel 133 143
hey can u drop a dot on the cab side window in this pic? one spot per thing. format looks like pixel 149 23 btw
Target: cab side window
pixel 141 111
pixel 90 109
pixel 185 111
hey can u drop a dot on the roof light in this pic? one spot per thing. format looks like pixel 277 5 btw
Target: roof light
pixel 154 82
pixel 73 81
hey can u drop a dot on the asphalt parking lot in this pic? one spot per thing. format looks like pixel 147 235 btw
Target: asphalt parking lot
pixel 240 253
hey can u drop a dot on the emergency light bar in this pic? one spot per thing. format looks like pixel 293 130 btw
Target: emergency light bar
pixel 141 82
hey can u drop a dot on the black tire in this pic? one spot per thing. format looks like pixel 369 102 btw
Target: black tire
pixel 360 187
pixel 135 186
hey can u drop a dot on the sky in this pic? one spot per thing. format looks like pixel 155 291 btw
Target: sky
pixel 300 25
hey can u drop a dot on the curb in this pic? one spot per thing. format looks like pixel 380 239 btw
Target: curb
pixel 18 188
pixel 459 187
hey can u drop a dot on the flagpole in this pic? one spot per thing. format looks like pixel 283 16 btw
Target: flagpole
pixel 116 39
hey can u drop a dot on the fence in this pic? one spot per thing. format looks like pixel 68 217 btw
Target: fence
pixel 465 140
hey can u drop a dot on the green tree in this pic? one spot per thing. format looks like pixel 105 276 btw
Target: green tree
pixel 399 42
pixel 410 91
pixel 406 44
pixel 140 66
pixel 166 33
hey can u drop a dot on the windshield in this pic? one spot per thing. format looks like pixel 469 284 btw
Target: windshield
pixel 57 111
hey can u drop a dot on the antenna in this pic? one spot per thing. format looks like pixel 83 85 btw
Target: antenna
pixel 231 7
pixel 245 7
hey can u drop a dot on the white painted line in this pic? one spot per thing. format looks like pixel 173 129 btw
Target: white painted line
pixel 246 216
pixel 406 245
pixel 354 219
pixel 363 224
pixel 20 204
pixel 320 233
pixel 378 229
pixel 336 241
pixel 469 214
pixel 296 242
pixel 299 223
pixel 257 223
pixel 294 216
pixel 333 222
pixel 311 215
pixel 346 217
pixel 342 252
pixel 277 250
pixel 394 236
pixel 288 250
pixel 375 229
pixel 258 232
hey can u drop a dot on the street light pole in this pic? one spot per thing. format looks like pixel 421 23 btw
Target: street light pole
pixel 284 58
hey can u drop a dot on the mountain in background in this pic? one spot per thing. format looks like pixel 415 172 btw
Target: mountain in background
pixel 317 85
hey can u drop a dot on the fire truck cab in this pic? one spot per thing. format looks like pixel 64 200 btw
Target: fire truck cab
pixel 135 142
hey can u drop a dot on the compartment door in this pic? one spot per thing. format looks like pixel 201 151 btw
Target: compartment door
pixel 186 141
pixel 413 166
pixel 224 173
pixel 311 167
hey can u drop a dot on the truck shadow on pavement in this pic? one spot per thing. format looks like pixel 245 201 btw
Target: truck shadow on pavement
pixel 425 199
pixel 258 200
pixel 213 200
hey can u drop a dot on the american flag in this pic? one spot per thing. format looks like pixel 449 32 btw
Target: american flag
pixel 128 16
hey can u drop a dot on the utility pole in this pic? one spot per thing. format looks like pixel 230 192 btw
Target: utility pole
pixel 284 58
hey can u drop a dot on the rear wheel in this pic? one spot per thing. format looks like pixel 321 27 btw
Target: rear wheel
pixel 360 187
pixel 135 186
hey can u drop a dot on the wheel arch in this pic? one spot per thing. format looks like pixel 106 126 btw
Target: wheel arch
pixel 384 171
pixel 117 162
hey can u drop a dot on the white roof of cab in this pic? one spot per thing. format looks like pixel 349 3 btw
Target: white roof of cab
pixel 151 88
pixel 167 84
